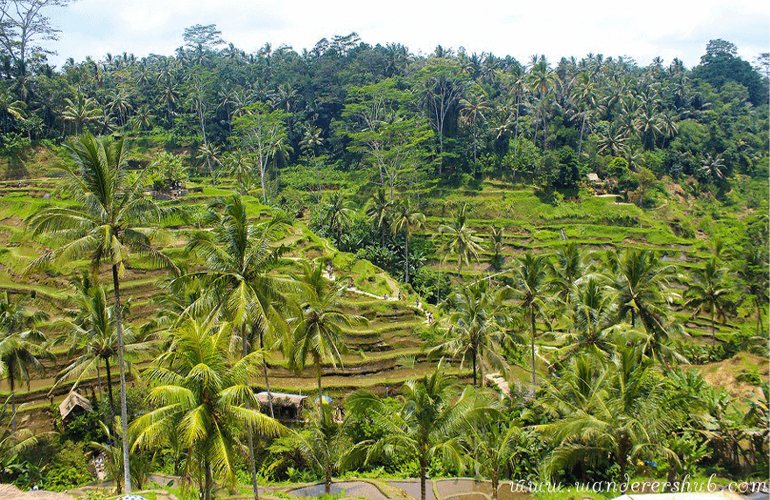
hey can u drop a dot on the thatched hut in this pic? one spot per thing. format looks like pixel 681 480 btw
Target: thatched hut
pixel 287 407
pixel 74 404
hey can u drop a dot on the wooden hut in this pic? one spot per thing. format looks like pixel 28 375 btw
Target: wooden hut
pixel 287 407
pixel 74 404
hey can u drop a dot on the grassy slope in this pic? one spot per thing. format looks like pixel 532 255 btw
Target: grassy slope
pixel 390 349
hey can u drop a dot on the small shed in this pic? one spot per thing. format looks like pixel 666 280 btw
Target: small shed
pixel 594 179
pixel 74 404
pixel 287 407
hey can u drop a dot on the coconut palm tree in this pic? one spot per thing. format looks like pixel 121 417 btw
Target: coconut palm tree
pixel 639 287
pixel 708 292
pixel 530 276
pixel 427 425
pixel 463 241
pixel 378 210
pixel 204 398
pixel 338 213
pixel 594 321
pixel 106 224
pixel 477 326
pixel 323 444
pixel 496 241
pixel 754 277
pixel 80 111
pixel 497 444
pixel 237 280
pixel 620 410
pixel 92 339
pixel 20 346
pixel 565 273
pixel 406 218
pixel 12 442
pixel 317 325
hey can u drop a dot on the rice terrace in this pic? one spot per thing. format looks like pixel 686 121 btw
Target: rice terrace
pixel 359 271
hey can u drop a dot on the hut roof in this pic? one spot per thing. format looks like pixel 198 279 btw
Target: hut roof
pixel 593 177
pixel 72 401
pixel 282 399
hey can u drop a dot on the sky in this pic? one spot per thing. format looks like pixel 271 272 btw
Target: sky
pixel 557 28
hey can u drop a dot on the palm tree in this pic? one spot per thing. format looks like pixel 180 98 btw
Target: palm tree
pixel 463 241
pixel 594 320
pixel 323 444
pixel 205 399
pixel 19 345
pixel 477 325
pixel 565 273
pixel 621 410
pixel 311 141
pixel 639 288
pixel 530 287
pixel 81 110
pixel 713 168
pixel 708 292
pixel 472 114
pixel 105 224
pixel 338 212
pixel 12 442
pixel 239 285
pixel 237 165
pixel 378 210
pixel 9 106
pixel 496 241
pixel 406 218
pixel 496 445
pixel 427 425
pixel 92 340
pixel 753 275
pixel 317 325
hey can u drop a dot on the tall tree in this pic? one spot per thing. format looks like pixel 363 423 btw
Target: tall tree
pixel 708 292
pixel 530 275
pixel 92 340
pixel 20 347
pixel 261 131
pixel 318 325
pixel 463 241
pixel 477 325
pixel 24 24
pixel 203 397
pixel 239 285
pixel 106 223
pixel 427 425
pixel 406 218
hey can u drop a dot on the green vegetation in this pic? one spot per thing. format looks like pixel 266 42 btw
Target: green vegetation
pixel 532 271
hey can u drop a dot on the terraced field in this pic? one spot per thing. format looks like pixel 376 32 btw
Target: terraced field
pixel 391 348
pixel 382 355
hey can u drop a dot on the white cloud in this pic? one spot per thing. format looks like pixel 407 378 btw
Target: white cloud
pixel 642 30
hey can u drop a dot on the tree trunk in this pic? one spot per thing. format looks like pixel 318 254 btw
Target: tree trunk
pixel 250 434
pixel 121 363
pixel 99 381
pixel 13 403
pixel 495 485
pixel 532 326
pixel 474 369
pixel 423 474
pixel 406 256
pixel 320 390
pixel 760 324
pixel 209 480
pixel 109 391
pixel 327 477
pixel 267 379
